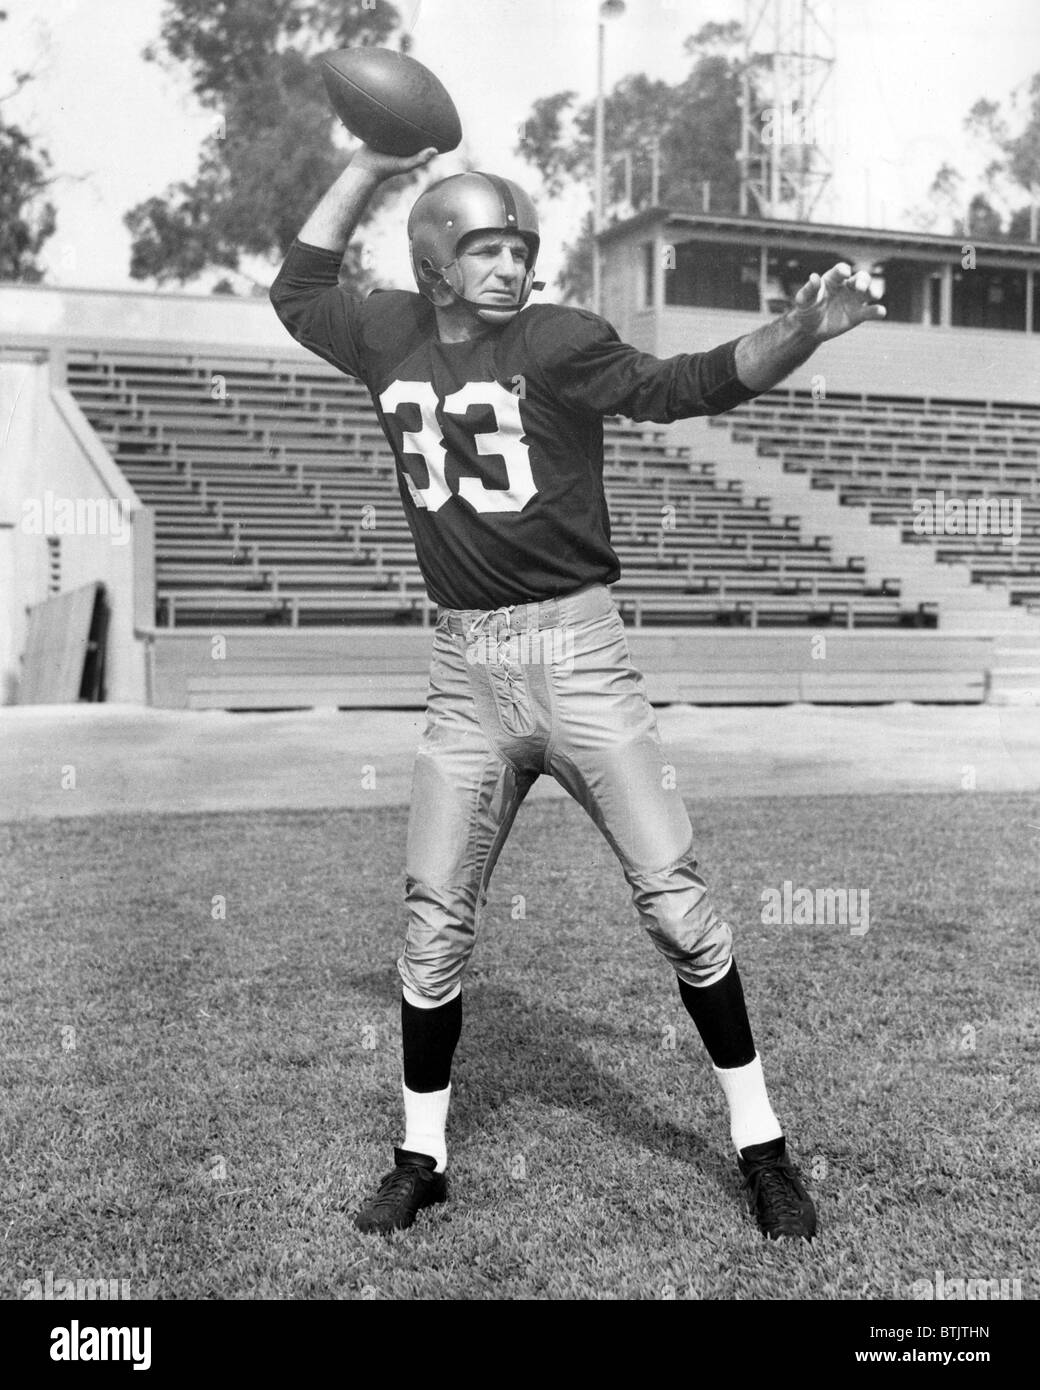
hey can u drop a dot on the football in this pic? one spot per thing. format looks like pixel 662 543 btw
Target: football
pixel 390 101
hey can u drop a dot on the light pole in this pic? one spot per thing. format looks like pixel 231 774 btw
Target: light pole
pixel 609 9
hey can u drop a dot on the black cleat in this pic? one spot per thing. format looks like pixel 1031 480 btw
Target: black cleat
pixel 402 1193
pixel 775 1194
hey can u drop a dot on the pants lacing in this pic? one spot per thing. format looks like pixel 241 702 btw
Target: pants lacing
pixel 487 643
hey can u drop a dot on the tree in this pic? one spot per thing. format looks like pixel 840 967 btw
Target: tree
pixel 1013 170
pixel 27 219
pixel 694 126
pixel 272 153
pixel 945 199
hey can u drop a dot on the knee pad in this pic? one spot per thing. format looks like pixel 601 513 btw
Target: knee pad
pixel 676 909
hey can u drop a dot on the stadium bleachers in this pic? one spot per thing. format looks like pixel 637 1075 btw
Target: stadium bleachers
pixel 276 503
pixel 887 453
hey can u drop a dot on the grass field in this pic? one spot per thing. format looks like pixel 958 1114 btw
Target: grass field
pixel 231 1087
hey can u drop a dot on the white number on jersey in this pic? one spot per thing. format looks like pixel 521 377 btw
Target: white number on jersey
pixel 426 441
pixel 505 441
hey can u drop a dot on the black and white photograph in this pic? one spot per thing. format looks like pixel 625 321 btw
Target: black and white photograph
pixel 519 668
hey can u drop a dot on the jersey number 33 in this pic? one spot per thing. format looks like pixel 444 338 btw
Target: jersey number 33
pixel 505 441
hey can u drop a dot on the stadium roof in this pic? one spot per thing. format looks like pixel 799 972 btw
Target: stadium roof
pixel 767 229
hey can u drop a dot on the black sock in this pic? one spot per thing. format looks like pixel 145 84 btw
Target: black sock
pixel 721 1017
pixel 428 1041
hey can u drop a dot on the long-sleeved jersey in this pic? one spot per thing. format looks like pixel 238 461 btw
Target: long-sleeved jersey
pixel 498 441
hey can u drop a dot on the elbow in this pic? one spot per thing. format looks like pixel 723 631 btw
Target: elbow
pixel 277 292
pixel 281 297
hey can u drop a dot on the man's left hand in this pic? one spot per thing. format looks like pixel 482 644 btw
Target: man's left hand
pixel 829 305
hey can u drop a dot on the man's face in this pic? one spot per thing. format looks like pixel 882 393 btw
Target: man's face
pixel 490 268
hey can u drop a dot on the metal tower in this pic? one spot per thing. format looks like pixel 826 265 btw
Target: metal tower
pixel 786 132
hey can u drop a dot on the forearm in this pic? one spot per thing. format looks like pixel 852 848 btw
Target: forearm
pixel 771 352
pixel 335 219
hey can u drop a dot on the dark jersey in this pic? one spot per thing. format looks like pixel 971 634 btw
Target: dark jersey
pixel 498 441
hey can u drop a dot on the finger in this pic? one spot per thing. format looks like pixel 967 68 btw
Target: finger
pixel 416 161
pixel 809 294
pixel 860 282
pixel 838 276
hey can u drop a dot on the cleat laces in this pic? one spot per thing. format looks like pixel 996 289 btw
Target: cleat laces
pixel 771 1187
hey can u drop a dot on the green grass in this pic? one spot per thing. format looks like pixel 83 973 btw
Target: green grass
pixel 234 1086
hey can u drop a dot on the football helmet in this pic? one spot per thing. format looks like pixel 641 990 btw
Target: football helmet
pixel 454 208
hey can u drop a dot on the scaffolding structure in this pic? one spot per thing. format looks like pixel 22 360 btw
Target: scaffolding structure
pixel 786 134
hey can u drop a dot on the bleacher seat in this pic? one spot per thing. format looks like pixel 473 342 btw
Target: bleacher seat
pixel 884 453
pixel 276 501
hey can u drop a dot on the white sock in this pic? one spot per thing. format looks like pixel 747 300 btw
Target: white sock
pixel 751 1118
pixel 425 1115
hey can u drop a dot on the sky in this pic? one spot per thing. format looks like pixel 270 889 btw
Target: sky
pixel 119 129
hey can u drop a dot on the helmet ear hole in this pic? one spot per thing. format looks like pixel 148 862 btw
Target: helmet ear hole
pixel 433 283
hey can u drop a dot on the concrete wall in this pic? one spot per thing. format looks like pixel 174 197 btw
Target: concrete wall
pixel 255 668
pixel 39 311
pixel 56 478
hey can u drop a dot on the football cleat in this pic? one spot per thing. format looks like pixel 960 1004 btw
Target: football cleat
pixel 411 1185
pixel 775 1194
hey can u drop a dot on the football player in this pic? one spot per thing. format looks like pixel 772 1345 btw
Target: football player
pixel 493 412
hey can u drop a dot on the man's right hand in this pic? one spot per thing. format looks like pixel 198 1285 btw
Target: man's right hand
pixel 334 220
pixel 387 166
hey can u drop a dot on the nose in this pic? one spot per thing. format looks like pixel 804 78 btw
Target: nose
pixel 506 267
